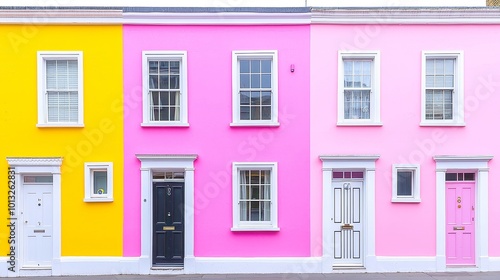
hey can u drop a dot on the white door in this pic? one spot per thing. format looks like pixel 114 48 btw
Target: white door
pixel 37 225
pixel 348 223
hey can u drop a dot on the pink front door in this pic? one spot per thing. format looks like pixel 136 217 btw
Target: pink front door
pixel 460 225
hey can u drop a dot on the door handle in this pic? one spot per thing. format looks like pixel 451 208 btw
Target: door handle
pixel 458 228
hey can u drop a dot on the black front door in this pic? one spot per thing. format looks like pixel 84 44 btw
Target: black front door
pixel 168 223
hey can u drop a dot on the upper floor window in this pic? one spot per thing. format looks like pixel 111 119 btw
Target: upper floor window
pixel 60 89
pixel 405 183
pixel 255 88
pixel 165 88
pixel 359 96
pixel 442 94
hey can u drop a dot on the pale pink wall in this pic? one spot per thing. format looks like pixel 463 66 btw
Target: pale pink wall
pixel 217 145
pixel 406 229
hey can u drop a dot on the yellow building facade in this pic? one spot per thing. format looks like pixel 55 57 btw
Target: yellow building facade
pixel 62 137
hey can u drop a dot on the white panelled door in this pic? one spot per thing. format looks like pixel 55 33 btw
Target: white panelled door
pixel 348 222
pixel 37 225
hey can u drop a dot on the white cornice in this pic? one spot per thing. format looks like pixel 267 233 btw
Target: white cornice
pixel 405 16
pixel 32 161
pixel 447 158
pixel 349 157
pixel 54 16
pixel 149 157
pixel 223 18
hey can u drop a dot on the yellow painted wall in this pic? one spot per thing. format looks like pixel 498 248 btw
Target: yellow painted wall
pixel 88 229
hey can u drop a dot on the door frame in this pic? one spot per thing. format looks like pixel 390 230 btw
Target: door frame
pixel 365 163
pixel 38 166
pixel 471 164
pixel 166 162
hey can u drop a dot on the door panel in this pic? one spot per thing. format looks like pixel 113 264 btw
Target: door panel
pixel 460 225
pixel 168 223
pixel 348 223
pixel 37 225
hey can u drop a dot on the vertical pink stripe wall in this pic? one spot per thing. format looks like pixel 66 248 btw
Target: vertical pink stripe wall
pixel 406 229
pixel 217 145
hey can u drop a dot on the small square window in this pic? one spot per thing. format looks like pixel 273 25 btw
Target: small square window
pixel 405 183
pixel 255 88
pixel 255 197
pixel 98 182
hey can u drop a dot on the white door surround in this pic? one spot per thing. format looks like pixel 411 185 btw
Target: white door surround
pixel 164 162
pixel 478 165
pixel 365 163
pixel 39 165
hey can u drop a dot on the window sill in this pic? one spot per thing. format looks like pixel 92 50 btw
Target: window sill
pixel 405 200
pixel 95 199
pixel 165 124
pixel 255 229
pixel 344 123
pixel 60 125
pixel 237 124
pixel 441 124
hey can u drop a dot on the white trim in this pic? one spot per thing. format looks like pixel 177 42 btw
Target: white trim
pixel 89 168
pixel 149 163
pixel 180 56
pixel 255 226
pixel 375 89
pixel 458 95
pixel 222 18
pixel 365 163
pixel 42 57
pixel 415 170
pixel 236 56
pixel 478 164
pixel 41 165
pixel 70 16
pixel 390 15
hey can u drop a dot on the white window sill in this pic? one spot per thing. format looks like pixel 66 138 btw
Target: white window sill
pixel 165 124
pixel 441 124
pixel 405 200
pixel 236 124
pixel 255 228
pixel 98 199
pixel 60 125
pixel 370 123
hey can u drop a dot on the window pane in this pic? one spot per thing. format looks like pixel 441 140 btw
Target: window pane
pixel 164 67
pixel 469 176
pixel 175 67
pixel 153 67
pixel 338 175
pixel 255 66
pixel 244 211
pixel 451 176
pixel 244 81
pixel 265 211
pixel 266 66
pixel 405 183
pixel 100 182
pixel 40 179
pixel 254 211
pixel 266 81
pixel 244 66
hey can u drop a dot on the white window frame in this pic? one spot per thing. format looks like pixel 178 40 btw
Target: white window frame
pixel 458 95
pixel 237 55
pixel 90 167
pixel 415 169
pixel 42 57
pixel 252 225
pixel 375 94
pixel 165 55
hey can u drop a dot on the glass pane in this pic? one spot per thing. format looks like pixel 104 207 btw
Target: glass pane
pixel 255 66
pixel 255 80
pixel 255 113
pixel 255 98
pixel 153 82
pixel 357 175
pixel 451 176
pixel 266 112
pixel 100 182
pixel 358 67
pixel 255 192
pixel 348 67
pixel 244 192
pixel 175 67
pixel 405 183
pixel 244 81
pixel 439 66
pixel 266 66
pixel 265 211
pixel 38 179
pixel 469 176
pixel 244 112
pixel 254 211
pixel 266 191
pixel 266 97
pixel 153 67
pixel 266 81
pixel 338 175
pixel 164 82
pixel 367 67
pixel 244 98
pixel 244 213
pixel 449 67
pixel 244 66
pixel 164 69
pixel 429 67
pixel 174 81
pixel 254 177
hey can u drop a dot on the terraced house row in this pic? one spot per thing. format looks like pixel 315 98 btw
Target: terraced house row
pixel 247 140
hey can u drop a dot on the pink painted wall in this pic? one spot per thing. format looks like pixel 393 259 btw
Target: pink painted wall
pixel 217 145
pixel 406 229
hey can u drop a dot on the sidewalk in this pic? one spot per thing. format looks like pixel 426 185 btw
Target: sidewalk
pixel 331 276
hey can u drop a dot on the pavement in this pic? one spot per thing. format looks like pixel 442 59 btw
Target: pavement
pixel 331 276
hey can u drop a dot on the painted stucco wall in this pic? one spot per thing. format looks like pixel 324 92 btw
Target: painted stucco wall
pixel 88 229
pixel 406 229
pixel 217 144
